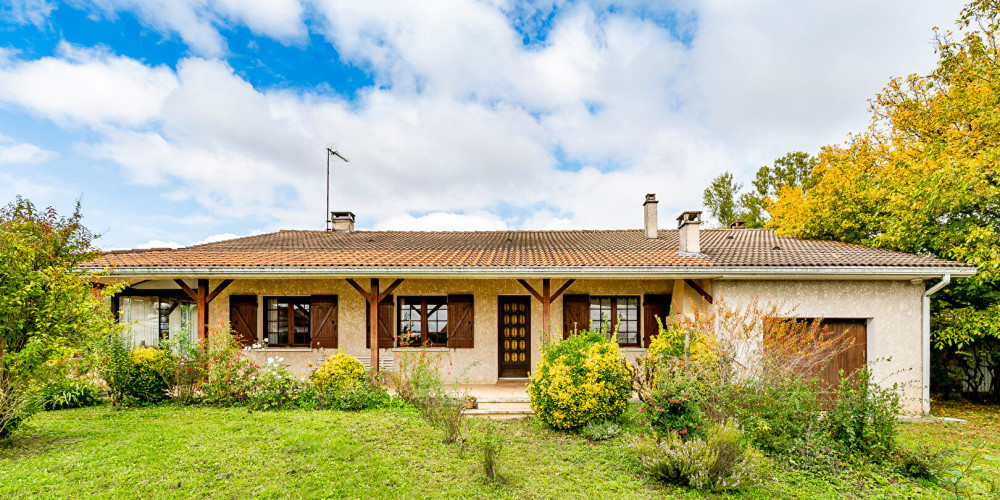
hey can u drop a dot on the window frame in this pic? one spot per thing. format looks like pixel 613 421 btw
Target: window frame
pixel 424 320
pixel 614 314
pixel 292 301
pixel 161 296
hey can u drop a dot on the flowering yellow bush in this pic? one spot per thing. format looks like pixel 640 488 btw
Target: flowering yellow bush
pixel 340 370
pixel 578 380
pixel 146 367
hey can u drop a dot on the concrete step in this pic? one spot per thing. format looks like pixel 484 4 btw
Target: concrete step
pixel 504 405
pixel 499 413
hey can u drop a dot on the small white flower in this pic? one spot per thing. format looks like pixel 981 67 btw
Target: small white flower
pixel 281 359
pixel 270 360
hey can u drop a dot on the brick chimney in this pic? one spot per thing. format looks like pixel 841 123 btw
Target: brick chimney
pixel 650 210
pixel 343 222
pixel 688 225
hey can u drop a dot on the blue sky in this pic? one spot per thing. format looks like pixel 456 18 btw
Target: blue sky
pixel 181 121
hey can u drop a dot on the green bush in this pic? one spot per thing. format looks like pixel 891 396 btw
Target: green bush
pixel 580 379
pixel 719 462
pixel 601 430
pixel 186 369
pixel 145 380
pixel 229 375
pixel 274 387
pixel 68 392
pixel 926 464
pixel 364 395
pixel 863 417
pixel 339 370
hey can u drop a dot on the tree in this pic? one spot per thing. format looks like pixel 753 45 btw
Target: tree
pixel 727 205
pixel 48 309
pixel 924 177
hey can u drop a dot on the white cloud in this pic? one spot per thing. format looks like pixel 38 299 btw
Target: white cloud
pixel 197 21
pixel 88 86
pixel 157 244
pixel 27 11
pixel 464 120
pixel 442 221
pixel 23 152
pixel 216 238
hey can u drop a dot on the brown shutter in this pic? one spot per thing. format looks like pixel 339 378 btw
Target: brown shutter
pixel 243 317
pixel 653 306
pixel 386 310
pixel 576 314
pixel 460 321
pixel 323 313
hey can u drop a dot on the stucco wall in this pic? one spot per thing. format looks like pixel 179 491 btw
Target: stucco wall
pixel 483 356
pixel 892 308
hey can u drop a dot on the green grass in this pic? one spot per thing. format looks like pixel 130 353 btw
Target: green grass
pixel 192 452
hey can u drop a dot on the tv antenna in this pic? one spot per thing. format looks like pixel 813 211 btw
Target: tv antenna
pixel 330 152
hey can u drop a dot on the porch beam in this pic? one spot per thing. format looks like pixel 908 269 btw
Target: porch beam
pixel 546 298
pixel 218 289
pixel 359 289
pixel 191 293
pixel 373 326
pixel 202 307
pixel 701 291
pixel 385 293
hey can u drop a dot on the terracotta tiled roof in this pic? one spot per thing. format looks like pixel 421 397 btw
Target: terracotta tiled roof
pixel 628 248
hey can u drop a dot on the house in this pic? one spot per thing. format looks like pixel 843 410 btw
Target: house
pixel 485 300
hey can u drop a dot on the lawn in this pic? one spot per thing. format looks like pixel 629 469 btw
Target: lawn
pixel 183 452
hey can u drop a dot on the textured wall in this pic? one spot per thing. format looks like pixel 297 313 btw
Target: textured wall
pixel 485 291
pixel 893 310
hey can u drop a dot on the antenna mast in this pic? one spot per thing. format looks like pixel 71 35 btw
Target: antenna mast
pixel 330 152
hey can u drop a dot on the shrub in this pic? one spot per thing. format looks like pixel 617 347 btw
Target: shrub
pixel 145 379
pixel 361 396
pixel 418 382
pixel 339 370
pixel 274 387
pixel 186 368
pixel 229 373
pixel 719 462
pixel 925 464
pixel 863 417
pixel 668 389
pixel 68 392
pixel 601 430
pixel 578 380
pixel 490 449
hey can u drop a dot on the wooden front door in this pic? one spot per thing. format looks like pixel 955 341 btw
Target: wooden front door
pixel 514 324
pixel 851 359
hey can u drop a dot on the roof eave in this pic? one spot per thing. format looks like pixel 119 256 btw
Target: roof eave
pixel 663 272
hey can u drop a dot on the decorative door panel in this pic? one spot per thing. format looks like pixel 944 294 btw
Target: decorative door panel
pixel 514 334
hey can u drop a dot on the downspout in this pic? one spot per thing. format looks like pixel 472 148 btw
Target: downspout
pixel 926 310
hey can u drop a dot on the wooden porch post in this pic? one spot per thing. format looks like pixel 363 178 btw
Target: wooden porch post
pixel 203 298
pixel 546 298
pixel 373 324
pixel 373 298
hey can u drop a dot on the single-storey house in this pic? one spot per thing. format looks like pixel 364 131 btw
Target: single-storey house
pixel 485 299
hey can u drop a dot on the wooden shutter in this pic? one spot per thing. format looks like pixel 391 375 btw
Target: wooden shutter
pixel 386 310
pixel 243 317
pixel 460 321
pixel 576 314
pixel 653 306
pixel 323 313
pixel 851 359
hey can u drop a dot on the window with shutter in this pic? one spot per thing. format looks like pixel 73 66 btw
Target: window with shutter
pixel 576 314
pixel 654 306
pixel 243 317
pixel 460 321
pixel 324 321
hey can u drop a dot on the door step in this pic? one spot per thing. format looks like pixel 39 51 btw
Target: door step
pixel 501 408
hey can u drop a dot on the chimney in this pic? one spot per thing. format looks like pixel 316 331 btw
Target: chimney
pixel 688 225
pixel 650 210
pixel 738 225
pixel 343 222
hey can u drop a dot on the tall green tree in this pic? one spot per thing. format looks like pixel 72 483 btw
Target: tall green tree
pixel 48 308
pixel 925 178
pixel 727 204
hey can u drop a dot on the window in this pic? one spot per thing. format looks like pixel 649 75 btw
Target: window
pixel 287 321
pixel 422 321
pixel 152 318
pixel 624 310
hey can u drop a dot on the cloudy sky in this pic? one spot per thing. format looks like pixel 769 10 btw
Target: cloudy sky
pixel 181 121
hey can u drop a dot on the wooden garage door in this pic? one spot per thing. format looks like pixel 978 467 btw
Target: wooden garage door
pixel 853 358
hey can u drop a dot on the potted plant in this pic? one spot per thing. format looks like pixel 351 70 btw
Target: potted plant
pixel 471 403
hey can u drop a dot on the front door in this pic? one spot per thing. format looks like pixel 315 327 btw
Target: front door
pixel 514 324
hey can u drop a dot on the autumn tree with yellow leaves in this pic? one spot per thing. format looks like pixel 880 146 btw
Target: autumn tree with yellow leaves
pixel 925 178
